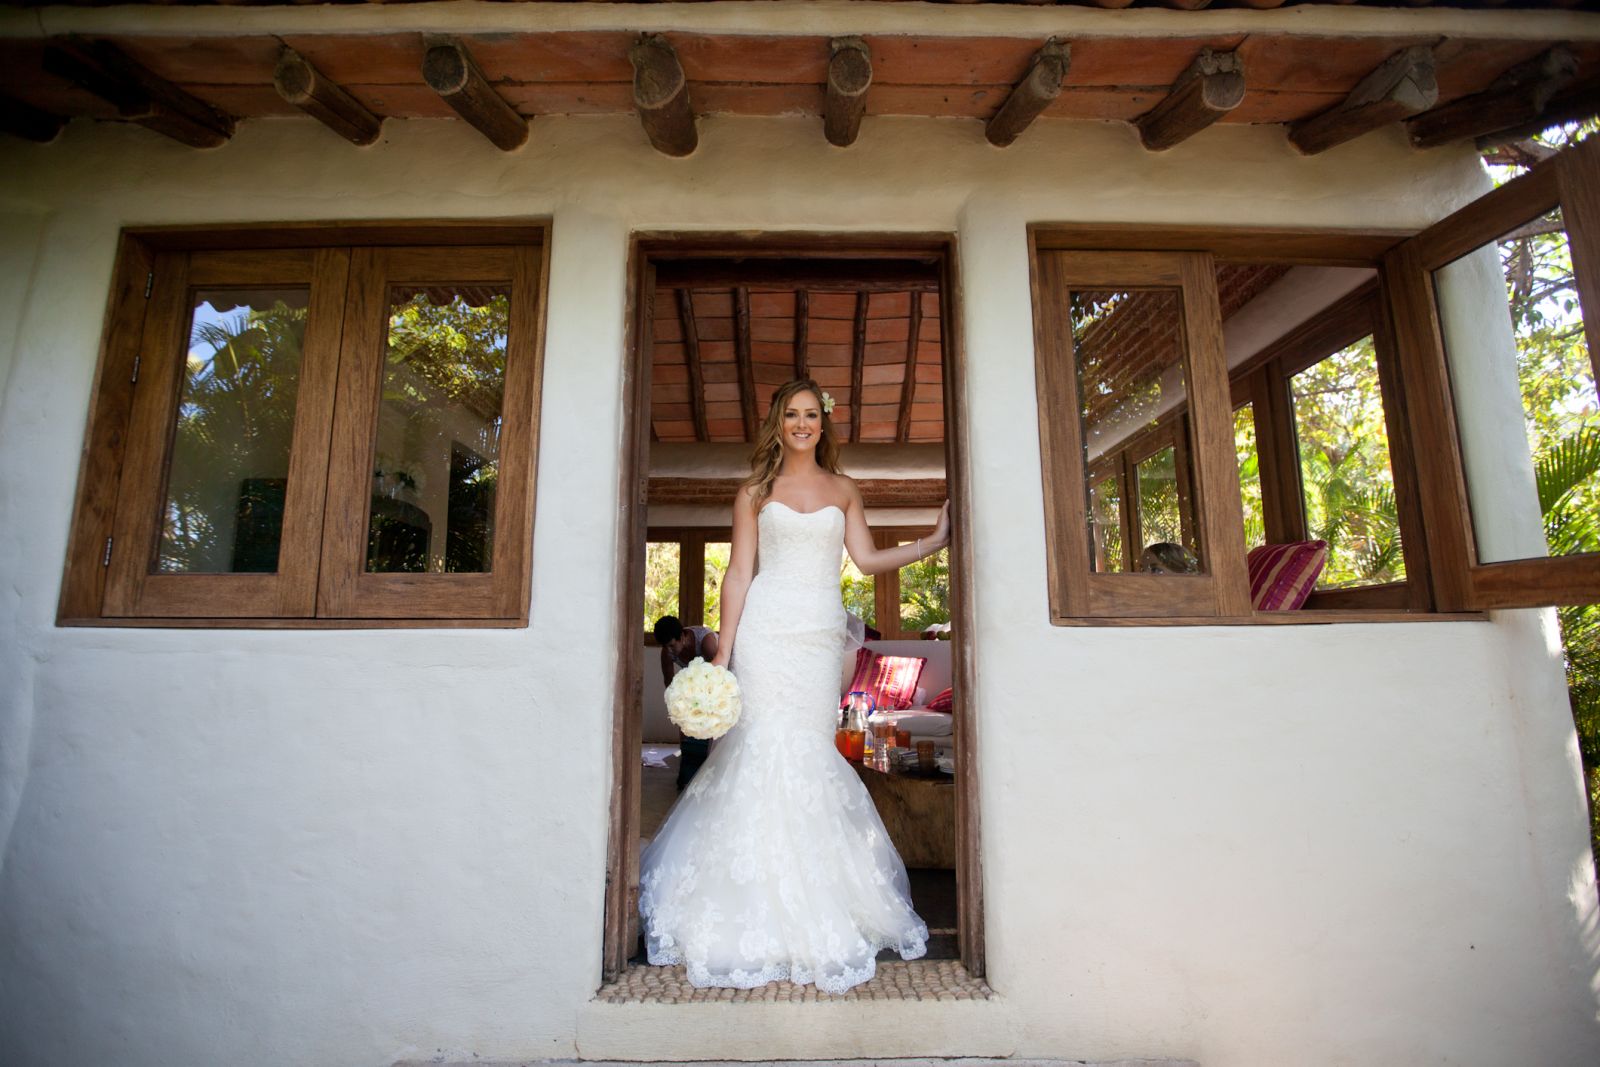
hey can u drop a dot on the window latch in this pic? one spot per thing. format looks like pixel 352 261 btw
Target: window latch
pixel 149 283
pixel 135 378
pixel 105 561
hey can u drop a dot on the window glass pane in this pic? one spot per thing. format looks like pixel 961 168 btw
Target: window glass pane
pixel 223 508
pixel 925 593
pixel 1244 447
pixel 1105 525
pixel 717 553
pixel 1343 450
pixel 857 590
pixel 1159 514
pixel 1524 388
pixel 438 447
pixel 1128 347
pixel 660 580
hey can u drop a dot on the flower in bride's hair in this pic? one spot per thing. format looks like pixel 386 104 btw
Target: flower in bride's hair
pixel 827 403
pixel 703 699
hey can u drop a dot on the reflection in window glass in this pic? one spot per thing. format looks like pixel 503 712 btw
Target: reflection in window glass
pixel 1105 525
pixel 223 509
pixel 1128 349
pixel 716 567
pixel 1249 456
pixel 857 591
pixel 925 592
pixel 1347 485
pixel 1557 495
pixel 660 580
pixel 438 448
pixel 1159 518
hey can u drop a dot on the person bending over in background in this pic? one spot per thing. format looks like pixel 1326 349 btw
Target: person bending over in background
pixel 679 646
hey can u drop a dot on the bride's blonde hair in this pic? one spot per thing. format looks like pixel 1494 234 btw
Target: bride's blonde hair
pixel 767 456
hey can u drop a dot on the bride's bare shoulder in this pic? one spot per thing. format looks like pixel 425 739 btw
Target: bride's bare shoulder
pixel 845 487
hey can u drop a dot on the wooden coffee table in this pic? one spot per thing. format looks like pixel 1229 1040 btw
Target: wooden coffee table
pixel 918 812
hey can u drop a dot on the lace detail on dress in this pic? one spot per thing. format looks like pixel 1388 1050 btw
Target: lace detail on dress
pixel 774 863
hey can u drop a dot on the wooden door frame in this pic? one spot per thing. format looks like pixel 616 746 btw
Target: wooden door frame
pixel 646 249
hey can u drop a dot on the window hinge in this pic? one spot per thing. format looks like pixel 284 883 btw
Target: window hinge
pixel 105 561
pixel 149 283
pixel 135 377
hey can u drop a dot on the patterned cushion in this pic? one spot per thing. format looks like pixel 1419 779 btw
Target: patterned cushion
pixel 1282 576
pixel 945 701
pixel 861 680
pixel 894 679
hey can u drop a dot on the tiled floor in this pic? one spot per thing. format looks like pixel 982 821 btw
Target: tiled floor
pixel 916 980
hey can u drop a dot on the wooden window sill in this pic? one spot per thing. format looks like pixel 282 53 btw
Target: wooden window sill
pixel 298 624
pixel 1282 618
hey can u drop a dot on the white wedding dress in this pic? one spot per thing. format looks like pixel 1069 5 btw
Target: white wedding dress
pixel 774 862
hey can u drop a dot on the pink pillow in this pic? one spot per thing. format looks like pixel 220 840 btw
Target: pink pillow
pixel 945 701
pixel 894 680
pixel 861 680
pixel 1282 576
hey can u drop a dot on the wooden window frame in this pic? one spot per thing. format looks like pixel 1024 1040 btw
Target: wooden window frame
pixel 127 447
pixel 691 542
pixel 1570 180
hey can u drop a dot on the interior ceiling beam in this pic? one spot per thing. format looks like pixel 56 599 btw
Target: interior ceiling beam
pixel 303 85
pixel 802 325
pixel 741 355
pixel 875 492
pixel 1211 87
pixel 450 71
pixel 831 275
pixel 1515 98
pixel 1038 87
pixel 661 96
pixel 1401 86
pixel 858 361
pixel 23 120
pixel 139 96
pixel 691 359
pixel 909 386
pixel 849 77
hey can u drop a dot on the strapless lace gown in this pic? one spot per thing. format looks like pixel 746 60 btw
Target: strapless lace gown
pixel 774 863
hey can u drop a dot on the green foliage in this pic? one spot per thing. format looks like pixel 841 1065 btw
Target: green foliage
pixel 856 589
pixel 660 581
pixel 925 592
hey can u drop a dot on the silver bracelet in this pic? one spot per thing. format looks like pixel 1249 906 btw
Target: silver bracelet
pixel 919 548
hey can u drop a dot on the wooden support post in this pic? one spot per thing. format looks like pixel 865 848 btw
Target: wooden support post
pixel 858 360
pixel 1516 98
pixel 691 357
pixel 746 369
pixel 23 120
pixel 802 317
pixel 450 71
pixel 661 96
pixel 908 389
pixel 302 85
pixel 1211 87
pixel 1032 94
pixel 1402 86
pixel 138 95
pixel 849 76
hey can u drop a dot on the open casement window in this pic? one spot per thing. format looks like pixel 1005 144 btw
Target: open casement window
pixel 1136 436
pixel 1497 313
pixel 311 435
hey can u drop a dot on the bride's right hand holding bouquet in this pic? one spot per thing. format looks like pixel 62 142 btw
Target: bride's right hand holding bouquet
pixel 703 700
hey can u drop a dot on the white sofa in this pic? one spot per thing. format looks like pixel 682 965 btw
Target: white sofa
pixel 658 729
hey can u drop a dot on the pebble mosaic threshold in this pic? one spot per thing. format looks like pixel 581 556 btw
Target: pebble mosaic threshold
pixel 899 980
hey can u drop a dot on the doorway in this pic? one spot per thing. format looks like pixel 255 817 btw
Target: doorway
pixel 716 322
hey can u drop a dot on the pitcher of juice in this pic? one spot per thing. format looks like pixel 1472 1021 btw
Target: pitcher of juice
pixel 851 736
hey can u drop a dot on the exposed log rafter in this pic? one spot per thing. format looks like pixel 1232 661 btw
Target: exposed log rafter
pixel 661 96
pixel 23 120
pixel 849 77
pixel 1515 99
pixel 1402 86
pixel 1038 87
pixel 450 71
pixel 1211 87
pixel 908 390
pixel 802 326
pixel 741 354
pixel 691 359
pixel 303 85
pixel 858 360
pixel 139 96
pixel 1573 104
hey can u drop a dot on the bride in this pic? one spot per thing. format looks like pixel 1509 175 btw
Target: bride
pixel 774 863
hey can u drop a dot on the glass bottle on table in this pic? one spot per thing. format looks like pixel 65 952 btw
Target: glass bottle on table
pixel 851 737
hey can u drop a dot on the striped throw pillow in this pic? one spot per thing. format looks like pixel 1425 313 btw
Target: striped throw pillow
pixel 1282 576
pixel 945 701
pixel 894 680
pixel 861 680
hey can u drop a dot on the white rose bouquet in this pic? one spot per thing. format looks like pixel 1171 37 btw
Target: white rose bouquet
pixel 703 699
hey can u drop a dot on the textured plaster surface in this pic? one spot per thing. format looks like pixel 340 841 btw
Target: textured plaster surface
pixel 1310 845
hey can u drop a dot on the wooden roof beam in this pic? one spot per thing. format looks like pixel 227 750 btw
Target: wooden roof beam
pixel 450 71
pixel 1516 98
pixel 1401 86
pixel 849 76
pixel 1573 104
pixel 858 360
pixel 1038 87
pixel 1211 87
pixel 23 120
pixel 802 326
pixel 304 86
pixel 691 359
pixel 741 354
pixel 908 388
pixel 139 96
pixel 661 96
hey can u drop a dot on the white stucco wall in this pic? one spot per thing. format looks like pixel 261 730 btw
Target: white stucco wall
pixel 1309 845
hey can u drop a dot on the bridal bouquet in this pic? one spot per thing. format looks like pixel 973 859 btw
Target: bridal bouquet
pixel 703 699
